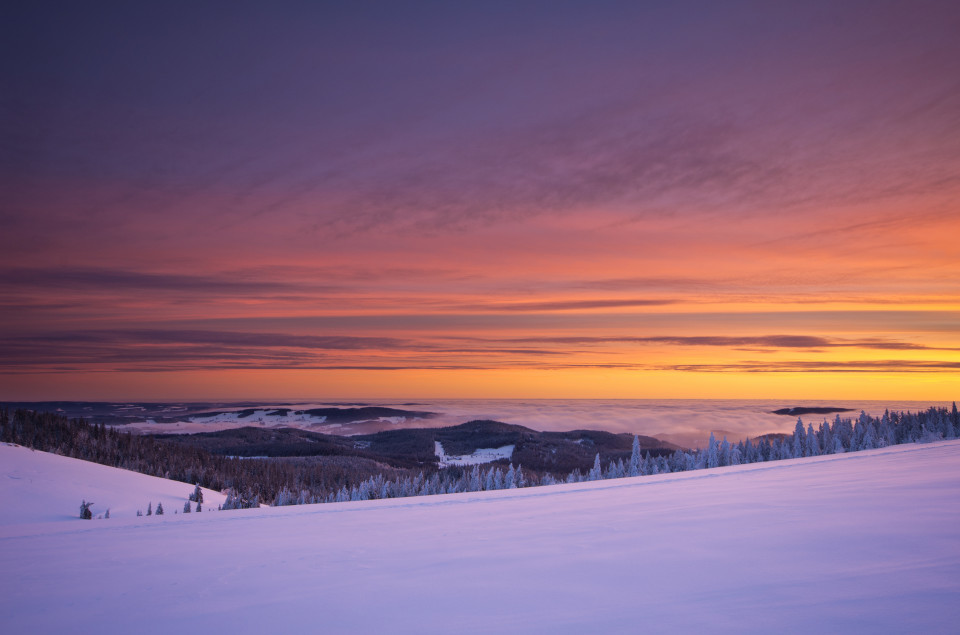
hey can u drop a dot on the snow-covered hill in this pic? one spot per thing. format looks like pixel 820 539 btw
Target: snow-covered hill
pixel 42 487
pixel 863 542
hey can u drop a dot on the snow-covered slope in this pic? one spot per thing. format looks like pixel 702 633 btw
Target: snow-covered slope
pixel 43 487
pixel 864 542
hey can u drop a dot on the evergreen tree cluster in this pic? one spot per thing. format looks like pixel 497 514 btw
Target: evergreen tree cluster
pixel 451 480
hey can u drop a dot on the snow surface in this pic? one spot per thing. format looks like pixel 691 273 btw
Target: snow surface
pixel 41 487
pixel 864 542
pixel 479 457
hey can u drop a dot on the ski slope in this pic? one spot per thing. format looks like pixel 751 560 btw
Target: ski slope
pixel 865 542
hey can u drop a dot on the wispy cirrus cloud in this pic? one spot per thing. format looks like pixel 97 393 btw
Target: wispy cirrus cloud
pixel 171 349
pixel 762 341
pixel 125 280
pixel 566 305
pixel 227 338
pixel 804 366
pixel 193 349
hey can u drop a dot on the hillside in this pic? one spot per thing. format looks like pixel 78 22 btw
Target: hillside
pixel 863 542
pixel 43 487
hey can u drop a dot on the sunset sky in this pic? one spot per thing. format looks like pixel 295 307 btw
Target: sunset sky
pixel 489 199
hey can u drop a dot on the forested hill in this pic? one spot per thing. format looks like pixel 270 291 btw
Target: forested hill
pixel 559 452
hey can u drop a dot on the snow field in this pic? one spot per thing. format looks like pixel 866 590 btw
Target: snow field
pixel 860 542
pixel 478 457
pixel 39 487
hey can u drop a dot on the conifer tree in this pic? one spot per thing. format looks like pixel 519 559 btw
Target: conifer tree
pixel 160 509
pixel 651 466
pixel 509 482
pixel 596 472
pixel 799 440
pixel 85 512
pixel 838 445
pixel 713 460
pixel 150 509
pixel 635 458
pixel 488 483
pixel 813 448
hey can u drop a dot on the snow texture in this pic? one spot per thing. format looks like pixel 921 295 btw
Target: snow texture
pixel 479 457
pixel 859 542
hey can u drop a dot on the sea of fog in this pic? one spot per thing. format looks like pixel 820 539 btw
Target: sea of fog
pixel 686 422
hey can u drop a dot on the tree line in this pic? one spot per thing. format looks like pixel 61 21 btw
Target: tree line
pixel 250 481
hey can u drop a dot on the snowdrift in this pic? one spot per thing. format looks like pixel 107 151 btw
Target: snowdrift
pixel 863 542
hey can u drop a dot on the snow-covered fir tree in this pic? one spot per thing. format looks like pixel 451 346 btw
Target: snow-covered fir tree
pixel 636 460
pixel 713 458
pixel 596 473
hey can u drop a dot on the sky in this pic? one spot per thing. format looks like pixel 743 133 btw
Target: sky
pixel 489 199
